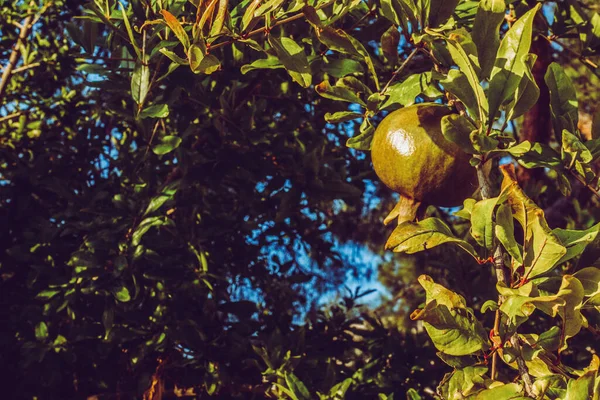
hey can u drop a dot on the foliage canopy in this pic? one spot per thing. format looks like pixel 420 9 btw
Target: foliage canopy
pixel 178 180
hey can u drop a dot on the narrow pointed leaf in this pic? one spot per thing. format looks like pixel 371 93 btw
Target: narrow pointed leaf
pixel 486 27
pixel 177 28
pixel 509 67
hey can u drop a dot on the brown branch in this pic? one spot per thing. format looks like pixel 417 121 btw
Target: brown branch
pixel 523 371
pixel 16 51
pixel 502 276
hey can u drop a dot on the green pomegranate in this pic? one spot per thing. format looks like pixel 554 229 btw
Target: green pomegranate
pixel 412 157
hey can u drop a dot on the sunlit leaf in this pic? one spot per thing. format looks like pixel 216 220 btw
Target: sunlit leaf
pixel 490 15
pixel 167 144
pixel 451 325
pixel 509 66
pixel 41 331
pixel 140 83
pixel 155 111
pixel 413 237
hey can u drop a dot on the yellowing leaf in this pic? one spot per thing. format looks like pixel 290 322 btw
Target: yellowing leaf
pixel 177 28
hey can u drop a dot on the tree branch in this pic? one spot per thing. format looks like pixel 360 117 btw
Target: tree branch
pixel 502 276
pixel 16 51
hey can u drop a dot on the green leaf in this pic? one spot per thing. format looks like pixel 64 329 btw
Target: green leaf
pixel 136 48
pixel 509 67
pixel 167 145
pixel 412 394
pixel 505 233
pixel 268 6
pixel 140 83
pixel 145 226
pixel 542 250
pixel 341 68
pixel 389 44
pixel 342 116
pixel 338 40
pixel 457 129
pixel 591 35
pixel 108 319
pixel 527 93
pixel 201 62
pixel 363 140
pixel 440 11
pixel 413 237
pixel 177 28
pixel 262 63
pixel 155 111
pixel 574 150
pixel 338 92
pixel 159 200
pixel 219 20
pixel 174 57
pixel 41 331
pixel 508 391
pixel 489 305
pixel 121 293
pixel 540 156
pixel 465 212
pixel 490 15
pixel 450 324
pixel 297 387
pixel 482 223
pixel 47 294
pixel 572 292
pixel 466 66
pixel 406 92
pixel 464 382
pixel 521 302
pixel 590 280
pixel 575 241
pixel 293 58
pixel 457 83
pixel 248 16
pixel 550 339
pixel 563 100
pixel 585 387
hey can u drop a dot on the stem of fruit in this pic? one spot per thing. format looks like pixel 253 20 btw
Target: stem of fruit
pixel 502 275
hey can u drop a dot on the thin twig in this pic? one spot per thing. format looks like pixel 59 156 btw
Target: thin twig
pixel 361 19
pixel 11 116
pixel 587 185
pixel 585 60
pixel 16 51
pixel 399 70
